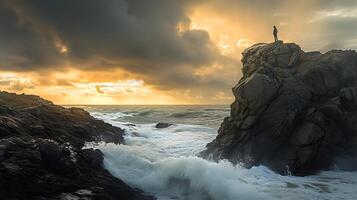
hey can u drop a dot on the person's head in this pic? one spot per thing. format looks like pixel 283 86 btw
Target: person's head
pixel 274 26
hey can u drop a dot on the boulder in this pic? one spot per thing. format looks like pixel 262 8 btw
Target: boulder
pixel 293 110
pixel 163 125
pixel 42 155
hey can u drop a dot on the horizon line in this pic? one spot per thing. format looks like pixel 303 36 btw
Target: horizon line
pixel 143 104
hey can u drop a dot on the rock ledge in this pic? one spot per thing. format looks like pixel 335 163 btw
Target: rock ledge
pixel 293 111
pixel 41 155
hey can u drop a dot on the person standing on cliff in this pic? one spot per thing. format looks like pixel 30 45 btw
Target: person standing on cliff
pixel 275 33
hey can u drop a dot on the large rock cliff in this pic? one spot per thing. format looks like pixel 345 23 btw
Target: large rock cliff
pixel 41 155
pixel 294 111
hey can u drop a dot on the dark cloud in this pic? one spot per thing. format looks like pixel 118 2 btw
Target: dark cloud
pixel 112 29
pixel 20 48
pixel 137 36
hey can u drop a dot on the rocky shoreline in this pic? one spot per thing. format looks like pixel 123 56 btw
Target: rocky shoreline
pixel 42 155
pixel 294 111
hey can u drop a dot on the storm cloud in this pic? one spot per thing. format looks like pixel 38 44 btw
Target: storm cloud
pixel 138 36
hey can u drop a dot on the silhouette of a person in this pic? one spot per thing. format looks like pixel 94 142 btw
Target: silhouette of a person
pixel 275 33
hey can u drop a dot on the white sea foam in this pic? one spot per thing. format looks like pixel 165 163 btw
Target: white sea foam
pixel 162 162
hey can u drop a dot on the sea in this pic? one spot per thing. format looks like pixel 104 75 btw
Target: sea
pixel 163 161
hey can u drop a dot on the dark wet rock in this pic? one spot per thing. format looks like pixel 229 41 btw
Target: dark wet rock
pixel 32 116
pixel 129 124
pixel 293 110
pixel 41 155
pixel 38 168
pixel 163 125
pixel 136 134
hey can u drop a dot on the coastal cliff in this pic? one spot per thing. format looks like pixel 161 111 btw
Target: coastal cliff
pixel 42 155
pixel 294 111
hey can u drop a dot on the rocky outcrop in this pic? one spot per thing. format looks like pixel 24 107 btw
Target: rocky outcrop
pixel 294 111
pixel 163 125
pixel 41 155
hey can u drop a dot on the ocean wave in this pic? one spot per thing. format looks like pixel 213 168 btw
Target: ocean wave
pixel 146 113
pixel 189 114
pixel 203 115
pixel 217 109
pixel 178 178
pixel 194 178
pixel 163 162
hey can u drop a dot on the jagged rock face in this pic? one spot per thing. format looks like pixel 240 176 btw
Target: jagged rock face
pixel 34 168
pixel 41 155
pixel 293 111
pixel 28 115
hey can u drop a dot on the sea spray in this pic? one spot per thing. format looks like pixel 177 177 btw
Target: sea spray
pixel 162 162
pixel 181 177
pixel 199 179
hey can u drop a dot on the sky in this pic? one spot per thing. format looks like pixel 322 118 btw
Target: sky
pixel 153 51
